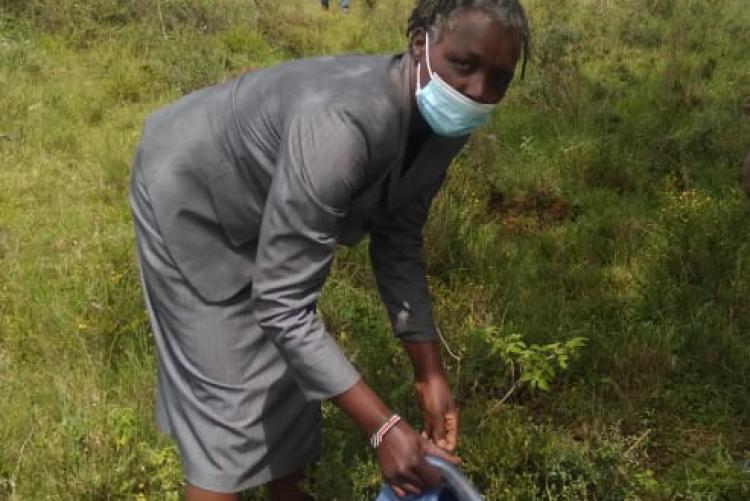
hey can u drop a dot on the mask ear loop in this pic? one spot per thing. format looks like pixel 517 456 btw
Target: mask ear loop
pixel 419 79
pixel 427 43
pixel 419 65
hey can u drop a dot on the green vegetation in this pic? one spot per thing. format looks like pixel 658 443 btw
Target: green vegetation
pixel 589 256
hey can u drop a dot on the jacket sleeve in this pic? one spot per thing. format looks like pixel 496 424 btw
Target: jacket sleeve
pixel 319 169
pixel 396 256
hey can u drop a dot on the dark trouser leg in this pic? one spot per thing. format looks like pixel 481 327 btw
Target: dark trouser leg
pixel 287 489
pixel 193 493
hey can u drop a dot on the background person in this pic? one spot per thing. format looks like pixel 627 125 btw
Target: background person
pixel 343 5
pixel 240 193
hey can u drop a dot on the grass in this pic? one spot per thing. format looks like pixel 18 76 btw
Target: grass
pixel 601 202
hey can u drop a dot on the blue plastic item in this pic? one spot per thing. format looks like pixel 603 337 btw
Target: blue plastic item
pixel 457 487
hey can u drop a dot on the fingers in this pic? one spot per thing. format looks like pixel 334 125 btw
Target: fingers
pixel 428 431
pixel 451 431
pixel 402 461
pixel 406 483
pixel 444 430
pixel 433 450
pixel 406 487
pixel 398 491
pixel 437 433
pixel 440 416
pixel 412 479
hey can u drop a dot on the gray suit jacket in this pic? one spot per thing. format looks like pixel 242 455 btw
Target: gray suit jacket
pixel 255 181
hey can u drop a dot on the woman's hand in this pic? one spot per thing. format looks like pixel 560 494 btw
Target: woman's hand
pixel 434 395
pixel 439 413
pixel 401 458
pixel 402 451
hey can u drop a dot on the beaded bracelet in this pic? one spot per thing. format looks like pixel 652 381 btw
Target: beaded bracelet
pixel 377 437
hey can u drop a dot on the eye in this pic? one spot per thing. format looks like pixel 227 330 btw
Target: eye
pixel 463 66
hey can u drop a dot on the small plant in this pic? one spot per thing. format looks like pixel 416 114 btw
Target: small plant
pixel 531 366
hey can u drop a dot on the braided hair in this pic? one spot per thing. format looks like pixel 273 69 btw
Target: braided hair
pixel 434 15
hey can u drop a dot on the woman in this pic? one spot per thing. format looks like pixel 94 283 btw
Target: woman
pixel 240 193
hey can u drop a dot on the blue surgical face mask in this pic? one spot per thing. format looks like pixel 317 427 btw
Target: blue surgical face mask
pixel 446 110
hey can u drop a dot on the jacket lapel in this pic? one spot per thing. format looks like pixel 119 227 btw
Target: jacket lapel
pixel 401 73
pixel 429 167
pixel 430 163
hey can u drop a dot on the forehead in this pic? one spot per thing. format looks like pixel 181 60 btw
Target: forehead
pixel 476 31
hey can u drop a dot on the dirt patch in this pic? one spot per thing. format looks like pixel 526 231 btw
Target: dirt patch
pixel 538 207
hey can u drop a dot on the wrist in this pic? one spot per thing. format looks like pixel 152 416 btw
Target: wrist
pixel 377 436
pixel 363 406
pixel 430 375
pixel 425 360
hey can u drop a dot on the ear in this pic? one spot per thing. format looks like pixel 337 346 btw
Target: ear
pixel 417 43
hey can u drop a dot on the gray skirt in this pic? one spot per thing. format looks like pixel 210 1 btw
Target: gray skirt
pixel 223 392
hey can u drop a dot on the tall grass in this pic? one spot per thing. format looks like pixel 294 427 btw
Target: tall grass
pixel 601 202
